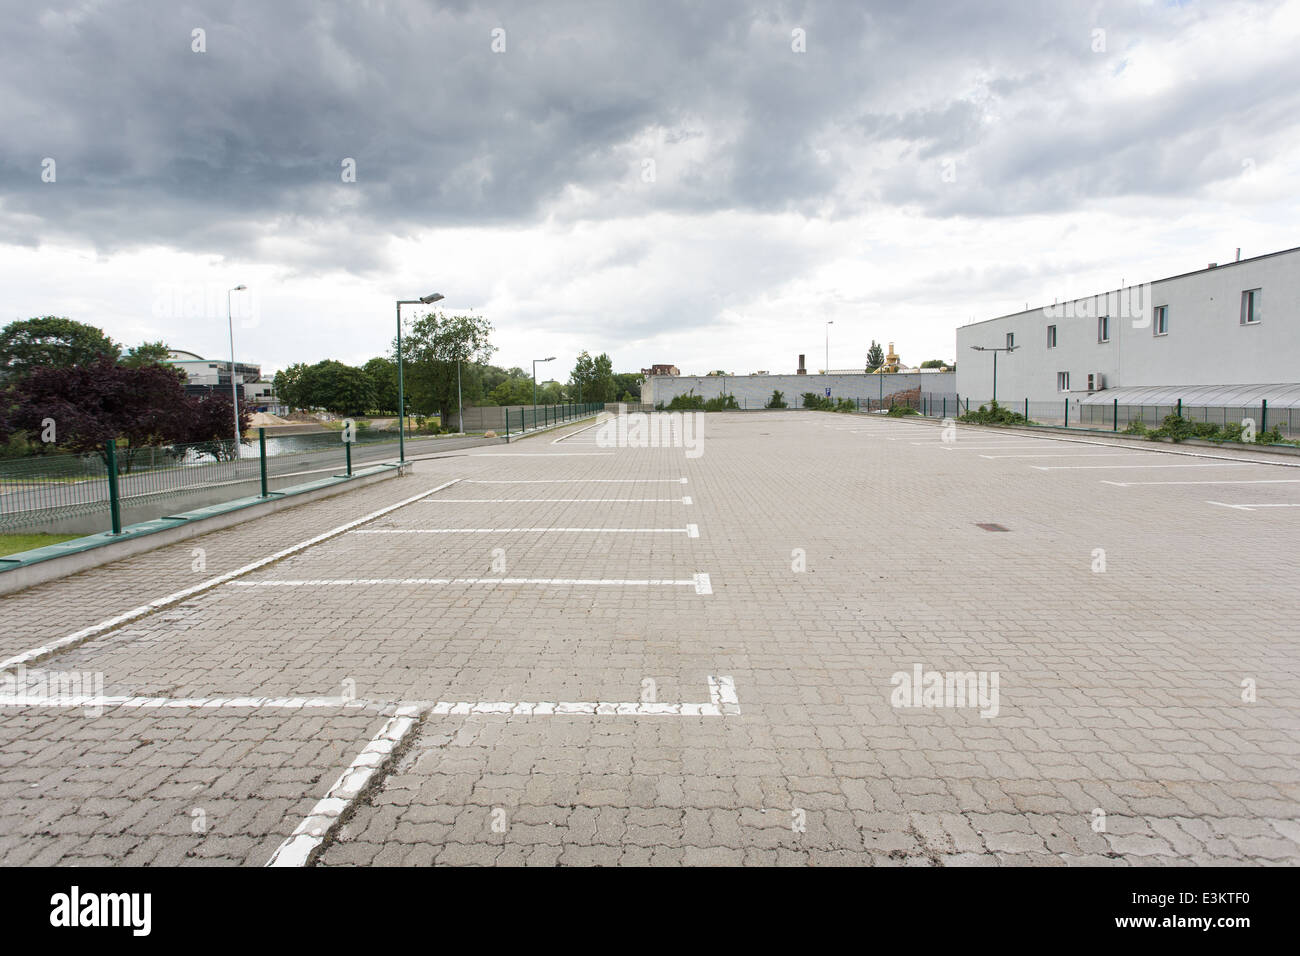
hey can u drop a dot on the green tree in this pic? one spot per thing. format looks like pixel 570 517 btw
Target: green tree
pixel 628 384
pixel 435 344
pixel 513 391
pixel 349 389
pixel 291 386
pixel 933 363
pixel 777 400
pixel 51 342
pixel 875 356
pixel 550 393
pixel 382 373
pixel 147 353
pixel 593 378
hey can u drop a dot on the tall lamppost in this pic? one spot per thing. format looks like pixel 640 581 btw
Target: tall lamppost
pixel 234 392
pixel 535 361
pixel 829 323
pixel 401 384
pixel 995 351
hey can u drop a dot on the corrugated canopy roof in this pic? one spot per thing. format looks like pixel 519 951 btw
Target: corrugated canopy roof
pixel 1199 396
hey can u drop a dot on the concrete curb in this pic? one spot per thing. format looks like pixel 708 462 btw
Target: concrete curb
pixel 548 428
pixel 93 551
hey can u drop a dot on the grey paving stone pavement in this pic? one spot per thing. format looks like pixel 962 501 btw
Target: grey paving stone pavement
pixel 1140 637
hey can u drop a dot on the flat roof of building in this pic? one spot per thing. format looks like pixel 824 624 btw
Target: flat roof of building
pixel 1181 275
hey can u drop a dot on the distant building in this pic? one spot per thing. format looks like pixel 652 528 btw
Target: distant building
pixel 661 370
pixel 1225 335
pixel 203 376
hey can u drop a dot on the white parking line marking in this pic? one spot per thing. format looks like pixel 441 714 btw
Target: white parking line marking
pixel 722 703
pixel 564 481
pixel 183 703
pixel 162 602
pixel 543 454
pixel 533 501
pixel 691 531
pixel 1223 481
pixel 297 850
pixel 578 432
pixel 1220 464
pixel 1073 454
pixel 699 582
pixel 956 445
pixel 1252 507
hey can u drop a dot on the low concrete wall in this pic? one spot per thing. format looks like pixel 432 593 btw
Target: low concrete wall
pixel 148 507
pixel 754 391
pixel 482 417
pixel 16 579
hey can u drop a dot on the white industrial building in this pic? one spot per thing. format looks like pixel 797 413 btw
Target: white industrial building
pixel 1227 335
pixel 205 375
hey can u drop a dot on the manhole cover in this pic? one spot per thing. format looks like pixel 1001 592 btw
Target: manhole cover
pixel 989 526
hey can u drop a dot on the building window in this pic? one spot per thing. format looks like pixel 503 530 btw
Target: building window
pixel 1062 381
pixel 1160 325
pixel 1011 340
pixel 1250 307
pixel 1051 336
pixel 1103 328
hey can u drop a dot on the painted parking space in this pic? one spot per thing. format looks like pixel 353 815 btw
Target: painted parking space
pixel 619 694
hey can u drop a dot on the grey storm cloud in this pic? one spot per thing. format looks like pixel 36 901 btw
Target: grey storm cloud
pixel 221 150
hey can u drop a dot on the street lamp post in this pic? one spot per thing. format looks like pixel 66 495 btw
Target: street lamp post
pixel 234 392
pixel 829 323
pixel 401 384
pixel 995 351
pixel 535 361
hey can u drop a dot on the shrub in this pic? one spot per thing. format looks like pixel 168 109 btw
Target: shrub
pixel 777 400
pixel 722 403
pixel 1178 429
pixel 995 414
pixel 690 402
pixel 898 411
pixel 817 402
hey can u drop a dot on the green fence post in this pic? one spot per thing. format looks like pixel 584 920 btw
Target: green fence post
pixel 1180 408
pixel 1114 418
pixel 348 446
pixel 945 406
pixel 1026 409
pixel 114 501
pixel 1067 414
pixel 261 454
pixel 507 423
pixel 1263 415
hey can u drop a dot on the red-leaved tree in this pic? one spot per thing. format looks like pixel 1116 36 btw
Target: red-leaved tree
pixel 92 403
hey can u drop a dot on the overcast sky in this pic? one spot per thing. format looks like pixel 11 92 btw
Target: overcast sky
pixel 702 184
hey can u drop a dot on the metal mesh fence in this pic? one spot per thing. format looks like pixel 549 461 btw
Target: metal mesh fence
pixel 1116 417
pixel 43 489
pixel 51 484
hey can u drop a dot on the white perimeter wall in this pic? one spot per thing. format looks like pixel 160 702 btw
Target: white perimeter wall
pixel 754 391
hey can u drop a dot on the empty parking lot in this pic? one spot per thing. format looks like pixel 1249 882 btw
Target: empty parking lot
pixel 826 639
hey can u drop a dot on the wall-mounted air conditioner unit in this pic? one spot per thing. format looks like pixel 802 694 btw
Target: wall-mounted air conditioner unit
pixel 1096 381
